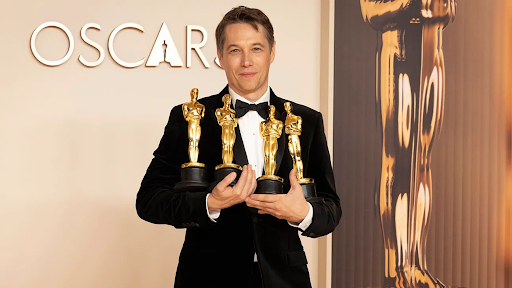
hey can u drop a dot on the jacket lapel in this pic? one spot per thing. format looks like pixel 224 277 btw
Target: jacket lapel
pixel 239 149
pixel 281 116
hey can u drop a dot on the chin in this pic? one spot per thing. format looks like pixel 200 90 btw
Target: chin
pixel 247 88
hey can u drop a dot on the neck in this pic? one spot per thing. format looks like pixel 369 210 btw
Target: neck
pixel 252 96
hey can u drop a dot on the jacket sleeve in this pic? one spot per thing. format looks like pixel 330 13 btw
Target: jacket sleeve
pixel 156 201
pixel 326 207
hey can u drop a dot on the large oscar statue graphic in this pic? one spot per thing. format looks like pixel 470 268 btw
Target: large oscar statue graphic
pixel 506 57
pixel 410 95
pixel 270 130
pixel 293 128
pixel 194 175
pixel 228 121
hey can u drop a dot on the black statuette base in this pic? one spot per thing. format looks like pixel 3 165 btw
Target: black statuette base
pixel 193 179
pixel 269 186
pixel 220 173
pixel 309 190
pixel 223 172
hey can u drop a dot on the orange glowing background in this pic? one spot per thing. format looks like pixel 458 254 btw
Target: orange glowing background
pixel 507 92
pixel 469 242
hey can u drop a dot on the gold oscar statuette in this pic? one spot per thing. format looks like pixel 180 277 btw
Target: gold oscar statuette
pixel 226 118
pixel 193 112
pixel 270 131
pixel 293 128
pixel 194 176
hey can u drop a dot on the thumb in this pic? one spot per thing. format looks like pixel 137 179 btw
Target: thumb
pixel 226 181
pixel 294 183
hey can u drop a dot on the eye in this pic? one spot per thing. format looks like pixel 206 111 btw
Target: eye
pixel 256 49
pixel 234 51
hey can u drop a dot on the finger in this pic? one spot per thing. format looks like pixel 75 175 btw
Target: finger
pixel 248 184
pixel 254 184
pixel 264 212
pixel 222 185
pixel 270 212
pixel 241 181
pixel 265 197
pixel 258 204
pixel 250 202
pixel 253 203
pixel 294 183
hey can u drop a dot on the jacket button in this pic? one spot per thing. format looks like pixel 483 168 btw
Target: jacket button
pixel 255 219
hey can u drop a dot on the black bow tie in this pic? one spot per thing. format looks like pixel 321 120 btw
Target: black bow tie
pixel 241 108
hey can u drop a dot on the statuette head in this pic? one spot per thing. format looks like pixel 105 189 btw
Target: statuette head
pixel 193 93
pixel 272 111
pixel 226 99
pixel 288 107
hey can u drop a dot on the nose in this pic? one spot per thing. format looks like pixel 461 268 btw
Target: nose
pixel 246 60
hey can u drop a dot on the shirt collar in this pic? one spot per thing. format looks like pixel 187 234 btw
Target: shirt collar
pixel 264 98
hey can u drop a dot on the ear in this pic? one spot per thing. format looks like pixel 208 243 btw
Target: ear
pixel 273 52
pixel 219 56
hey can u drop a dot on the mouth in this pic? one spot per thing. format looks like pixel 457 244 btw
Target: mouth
pixel 247 74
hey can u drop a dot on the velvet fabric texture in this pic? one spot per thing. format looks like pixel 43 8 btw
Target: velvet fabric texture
pixel 221 254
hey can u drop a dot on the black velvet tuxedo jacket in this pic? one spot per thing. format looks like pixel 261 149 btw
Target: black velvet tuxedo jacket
pixel 221 254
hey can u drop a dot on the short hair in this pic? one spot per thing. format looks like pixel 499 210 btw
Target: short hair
pixel 242 14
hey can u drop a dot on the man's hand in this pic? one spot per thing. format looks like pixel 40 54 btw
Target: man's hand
pixel 224 196
pixel 292 207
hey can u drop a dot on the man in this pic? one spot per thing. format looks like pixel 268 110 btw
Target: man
pixel 226 245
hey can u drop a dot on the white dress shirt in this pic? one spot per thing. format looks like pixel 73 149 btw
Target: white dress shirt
pixel 253 144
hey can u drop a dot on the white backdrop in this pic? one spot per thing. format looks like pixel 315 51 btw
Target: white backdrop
pixel 76 141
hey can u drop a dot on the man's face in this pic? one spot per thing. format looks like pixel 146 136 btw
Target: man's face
pixel 246 58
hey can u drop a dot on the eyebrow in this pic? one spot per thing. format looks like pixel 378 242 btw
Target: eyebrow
pixel 253 44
